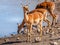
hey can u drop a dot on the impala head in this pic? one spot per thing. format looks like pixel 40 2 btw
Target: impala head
pixel 25 8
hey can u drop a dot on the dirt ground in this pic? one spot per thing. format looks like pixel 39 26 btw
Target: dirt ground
pixel 47 39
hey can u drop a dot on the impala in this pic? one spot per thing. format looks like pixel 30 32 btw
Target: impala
pixel 50 6
pixel 43 11
pixel 33 17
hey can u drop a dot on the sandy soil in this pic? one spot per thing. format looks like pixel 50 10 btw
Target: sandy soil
pixel 47 38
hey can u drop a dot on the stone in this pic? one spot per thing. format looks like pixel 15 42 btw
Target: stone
pixel 53 43
pixel 58 28
pixel 37 39
pixel 6 40
pixel 18 38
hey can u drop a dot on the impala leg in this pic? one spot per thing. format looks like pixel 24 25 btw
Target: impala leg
pixel 46 20
pixel 52 14
pixel 49 24
pixel 30 31
pixel 55 20
pixel 27 32
pixel 40 29
pixel 29 26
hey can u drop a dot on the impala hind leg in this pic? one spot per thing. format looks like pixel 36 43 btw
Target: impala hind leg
pixel 51 11
pixel 46 20
pixel 49 23
pixel 54 20
pixel 53 16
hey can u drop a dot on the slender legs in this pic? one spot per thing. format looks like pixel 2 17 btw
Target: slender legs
pixel 46 20
pixel 49 24
pixel 29 26
pixel 54 17
pixel 40 26
pixel 54 21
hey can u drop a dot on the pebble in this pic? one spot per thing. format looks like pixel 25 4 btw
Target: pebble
pixel 18 38
pixel 37 39
pixel 53 43
pixel 58 28
pixel 6 40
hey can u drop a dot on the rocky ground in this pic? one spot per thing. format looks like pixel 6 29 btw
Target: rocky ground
pixel 52 38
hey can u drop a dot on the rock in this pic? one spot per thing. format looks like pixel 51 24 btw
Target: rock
pixel 53 43
pixel 18 38
pixel 6 40
pixel 58 28
pixel 37 39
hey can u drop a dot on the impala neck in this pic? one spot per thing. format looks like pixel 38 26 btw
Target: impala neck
pixel 25 15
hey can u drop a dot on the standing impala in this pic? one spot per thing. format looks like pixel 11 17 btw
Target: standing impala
pixel 30 19
pixel 40 10
pixel 34 17
pixel 50 6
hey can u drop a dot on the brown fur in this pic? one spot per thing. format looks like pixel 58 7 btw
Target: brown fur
pixel 43 11
pixel 34 17
pixel 50 6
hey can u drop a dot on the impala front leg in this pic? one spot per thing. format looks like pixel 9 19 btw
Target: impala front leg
pixel 29 31
pixel 40 29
